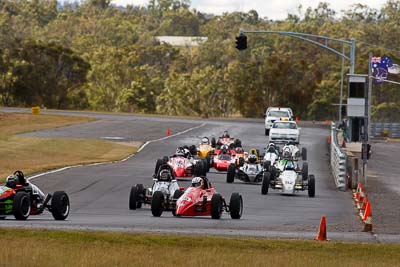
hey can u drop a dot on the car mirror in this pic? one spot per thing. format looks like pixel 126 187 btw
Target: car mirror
pixel 208 190
pixel 181 188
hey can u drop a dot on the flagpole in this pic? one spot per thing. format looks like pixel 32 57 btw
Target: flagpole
pixel 369 94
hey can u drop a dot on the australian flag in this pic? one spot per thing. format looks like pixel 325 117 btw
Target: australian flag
pixel 380 66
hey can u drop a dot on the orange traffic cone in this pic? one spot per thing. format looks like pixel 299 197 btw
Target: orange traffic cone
pixel 322 230
pixel 168 132
pixel 367 218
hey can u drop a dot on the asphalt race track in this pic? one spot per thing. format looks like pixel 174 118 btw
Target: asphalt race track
pixel 99 193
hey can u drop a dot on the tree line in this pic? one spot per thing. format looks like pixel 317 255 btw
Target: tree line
pixel 97 56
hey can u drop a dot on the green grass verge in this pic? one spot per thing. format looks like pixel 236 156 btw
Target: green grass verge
pixel 74 248
pixel 31 154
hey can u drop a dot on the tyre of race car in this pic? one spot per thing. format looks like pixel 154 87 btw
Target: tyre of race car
pixel 177 195
pixel 197 168
pixel 241 162
pixel 208 160
pixel 60 205
pixel 304 171
pixel 216 206
pixel 140 195
pixel 21 205
pixel 157 204
pixel 311 186
pixel 265 183
pixel 165 159
pixel 193 150
pixel 158 164
pixel 133 196
pixel 266 132
pixel 267 165
pixel 213 142
pixel 238 143
pixel 230 175
pixel 236 206
pixel 204 167
pixel 304 153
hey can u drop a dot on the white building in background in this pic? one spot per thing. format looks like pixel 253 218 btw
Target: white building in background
pixel 187 41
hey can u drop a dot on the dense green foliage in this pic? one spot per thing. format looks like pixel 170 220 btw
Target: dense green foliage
pixel 97 56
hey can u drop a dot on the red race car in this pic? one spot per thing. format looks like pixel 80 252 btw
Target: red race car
pixel 225 139
pixel 183 166
pixel 225 156
pixel 201 199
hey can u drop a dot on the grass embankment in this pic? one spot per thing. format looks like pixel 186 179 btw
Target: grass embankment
pixel 64 248
pixel 31 154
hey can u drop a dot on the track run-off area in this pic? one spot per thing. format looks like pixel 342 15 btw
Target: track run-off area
pixel 99 193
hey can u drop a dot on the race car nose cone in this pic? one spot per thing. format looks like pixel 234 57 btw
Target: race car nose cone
pixel 180 172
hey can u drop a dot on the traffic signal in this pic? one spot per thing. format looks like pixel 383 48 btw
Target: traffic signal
pixel 365 151
pixel 241 42
pixel 343 111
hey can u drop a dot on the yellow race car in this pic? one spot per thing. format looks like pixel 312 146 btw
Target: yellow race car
pixel 205 148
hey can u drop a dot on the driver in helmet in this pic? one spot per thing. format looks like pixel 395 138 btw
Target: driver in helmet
pixel 239 150
pixel 205 141
pixel 225 134
pixel 252 159
pixel 225 149
pixel 289 165
pixel 18 178
pixel 165 175
pixel 180 152
pixel 198 182
pixel 287 153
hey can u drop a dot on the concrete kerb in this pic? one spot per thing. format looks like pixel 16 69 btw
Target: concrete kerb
pixel 115 161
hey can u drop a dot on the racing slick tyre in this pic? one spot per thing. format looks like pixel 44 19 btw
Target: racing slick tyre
pixel 158 164
pixel 230 175
pixel 165 159
pixel 133 196
pixel 208 160
pixel 266 132
pixel 197 169
pixel 238 143
pixel 177 194
pixel 304 171
pixel 265 183
pixel 60 205
pixel 193 150
pixel 241 162
pixel 21 205
pixel 213 142
pixel 140 195
pixel 236 206
pixel 157 204
pixel 304 153
pixel 216 206
pixel 311 186
pixel 267 165
pixel 205 167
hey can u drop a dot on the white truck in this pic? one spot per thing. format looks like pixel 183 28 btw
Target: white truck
pixel 276 113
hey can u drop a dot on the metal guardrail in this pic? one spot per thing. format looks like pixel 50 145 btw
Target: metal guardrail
pixel 338 160
pixel 390 129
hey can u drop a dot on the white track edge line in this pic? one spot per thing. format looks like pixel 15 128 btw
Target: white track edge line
pixel 116 161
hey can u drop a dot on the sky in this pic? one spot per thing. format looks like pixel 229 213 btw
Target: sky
pixel 273 9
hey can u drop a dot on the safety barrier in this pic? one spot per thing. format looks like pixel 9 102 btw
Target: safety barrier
pixel 390 129
pixel 338 160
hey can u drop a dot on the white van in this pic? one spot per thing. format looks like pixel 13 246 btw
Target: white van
pixel 275 113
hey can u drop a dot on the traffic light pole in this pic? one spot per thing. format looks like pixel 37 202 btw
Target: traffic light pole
pixel 307 37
